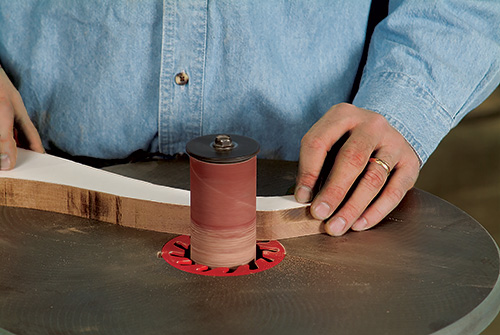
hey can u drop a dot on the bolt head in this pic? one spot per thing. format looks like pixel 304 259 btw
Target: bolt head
pixel 223 142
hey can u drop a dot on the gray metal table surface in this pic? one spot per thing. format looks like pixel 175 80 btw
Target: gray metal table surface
pixel 429 268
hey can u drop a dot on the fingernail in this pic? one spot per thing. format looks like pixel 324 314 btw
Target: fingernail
pixel 4 162
pixel 303 194
pixel 336 226
pixel 360 224
pixel 322 211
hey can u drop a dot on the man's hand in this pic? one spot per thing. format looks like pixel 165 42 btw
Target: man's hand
pixel 13 113
pixel 375 194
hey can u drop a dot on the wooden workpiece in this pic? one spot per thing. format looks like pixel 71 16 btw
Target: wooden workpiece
pixel 49 183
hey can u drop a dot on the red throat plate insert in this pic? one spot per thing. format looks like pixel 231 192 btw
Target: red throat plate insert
pixel 177 253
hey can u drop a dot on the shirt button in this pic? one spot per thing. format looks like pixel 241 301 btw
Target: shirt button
pixel 181 78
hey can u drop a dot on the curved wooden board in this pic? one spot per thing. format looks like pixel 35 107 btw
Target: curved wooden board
pixel 49 183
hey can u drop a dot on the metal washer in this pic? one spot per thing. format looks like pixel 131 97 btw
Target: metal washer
pixel 204 149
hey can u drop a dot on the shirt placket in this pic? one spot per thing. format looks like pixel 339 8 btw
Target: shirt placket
pixel 181 75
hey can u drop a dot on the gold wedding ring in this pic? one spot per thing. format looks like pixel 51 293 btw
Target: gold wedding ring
pixel 382 163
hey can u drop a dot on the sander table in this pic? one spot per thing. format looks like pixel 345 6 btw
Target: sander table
pixel 427 269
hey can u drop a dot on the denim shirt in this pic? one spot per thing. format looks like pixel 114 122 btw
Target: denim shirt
pixel 98 76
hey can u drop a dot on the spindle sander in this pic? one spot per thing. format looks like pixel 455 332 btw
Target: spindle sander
pixel 223 175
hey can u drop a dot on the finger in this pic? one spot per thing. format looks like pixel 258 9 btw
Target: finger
pixel 314 148
pixel 30 133
pixel 349 163
pixel 25 125
pixel 402 179
pixel 8 151
pixel 312 153
pixel 371 182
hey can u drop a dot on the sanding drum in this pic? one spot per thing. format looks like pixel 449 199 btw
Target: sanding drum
pixel 223 171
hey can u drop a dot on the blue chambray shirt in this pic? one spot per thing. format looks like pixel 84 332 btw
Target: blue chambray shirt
pixel 97 76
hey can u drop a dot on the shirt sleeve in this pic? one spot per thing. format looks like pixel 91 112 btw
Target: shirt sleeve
pixel 429 64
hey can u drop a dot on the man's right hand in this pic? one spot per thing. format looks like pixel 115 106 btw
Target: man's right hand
pixel 14 114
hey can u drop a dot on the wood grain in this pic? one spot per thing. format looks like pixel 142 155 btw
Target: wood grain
pixel 53 184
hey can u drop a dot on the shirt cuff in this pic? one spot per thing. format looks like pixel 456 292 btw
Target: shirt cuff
pixel 408 107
